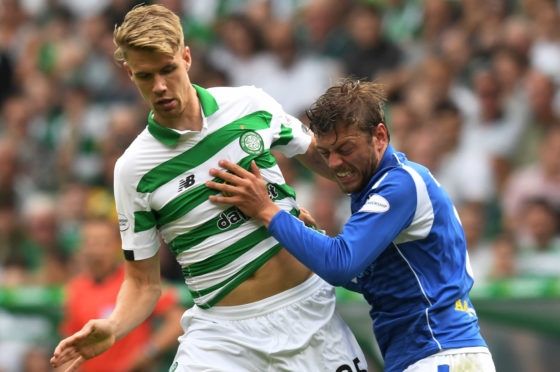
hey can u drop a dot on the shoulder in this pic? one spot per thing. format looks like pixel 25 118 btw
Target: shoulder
pixel 248 95
pixel 128 163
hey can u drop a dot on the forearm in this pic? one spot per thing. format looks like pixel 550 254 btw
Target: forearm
pixel 328 257
pixel 134 304
pixel 137 297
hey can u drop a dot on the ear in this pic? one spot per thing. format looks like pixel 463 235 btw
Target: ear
pixel 128 70
pixel 187 57
pixel 381 136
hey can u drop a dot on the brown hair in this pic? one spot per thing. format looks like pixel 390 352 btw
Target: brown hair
pixel 148 27
pixel 350 102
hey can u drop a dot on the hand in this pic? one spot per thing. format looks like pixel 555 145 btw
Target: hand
pixel 244 189
pixel 93 339
pixel 307 218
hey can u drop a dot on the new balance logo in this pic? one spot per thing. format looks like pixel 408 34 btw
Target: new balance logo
pixel 186 182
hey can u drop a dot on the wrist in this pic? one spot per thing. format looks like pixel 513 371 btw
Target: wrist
pixel 266 213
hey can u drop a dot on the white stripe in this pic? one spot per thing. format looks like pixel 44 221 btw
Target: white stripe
pixel 423 293
pixel 205 212
pixel 423 219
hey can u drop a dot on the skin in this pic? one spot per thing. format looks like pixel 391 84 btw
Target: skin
pixel 163 82
pixel 352 155
pixel 101 257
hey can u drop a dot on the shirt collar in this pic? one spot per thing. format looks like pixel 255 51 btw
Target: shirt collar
pixel 168 136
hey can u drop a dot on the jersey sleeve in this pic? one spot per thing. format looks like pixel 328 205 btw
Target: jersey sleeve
pixel 139 235
pixel 387 211
pixel 289 134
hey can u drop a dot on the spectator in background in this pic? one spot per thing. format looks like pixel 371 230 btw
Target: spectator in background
pixel 402 125
pixel 369 53
pixel 92 294
pixel 465 175
pixel 241 54
pixel 6 75
pixel 36 359
pixel 539 239
pixel 321 27
pixel 401 20
pixel 479 247
pixel 9 167
pixel 541 91
pixel 497 128
pixel 46 262
pixel 540 179
pixel 12 265
pixel 297 77
pixel 504 257
pixel 544 54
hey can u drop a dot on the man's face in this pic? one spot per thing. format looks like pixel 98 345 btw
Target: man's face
pixel 162 81
pixel 352 154
pixel 100 248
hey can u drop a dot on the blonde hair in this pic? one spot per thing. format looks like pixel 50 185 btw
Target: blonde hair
pixel 148 27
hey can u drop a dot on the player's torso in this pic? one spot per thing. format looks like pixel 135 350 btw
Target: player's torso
pixel 217 246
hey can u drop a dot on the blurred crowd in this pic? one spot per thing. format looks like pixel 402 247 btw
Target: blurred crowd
pixel 473 92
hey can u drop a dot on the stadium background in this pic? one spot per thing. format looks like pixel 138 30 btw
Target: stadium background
pixel 473 94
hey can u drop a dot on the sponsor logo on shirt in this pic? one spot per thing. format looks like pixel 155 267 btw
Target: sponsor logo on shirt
pixel 123 222
pixel 186 182
pixel 251 142
pixel 375 204
pixel 464 306
pixel 231 218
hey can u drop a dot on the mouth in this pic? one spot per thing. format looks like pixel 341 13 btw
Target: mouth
pixel 344 176
pixel 165 103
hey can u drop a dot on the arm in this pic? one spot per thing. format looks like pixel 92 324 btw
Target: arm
pixel 339 259
pixel 314 161
pixel 137 298
pixel 165 333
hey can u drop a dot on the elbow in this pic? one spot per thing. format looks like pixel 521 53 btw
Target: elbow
pixel 337 278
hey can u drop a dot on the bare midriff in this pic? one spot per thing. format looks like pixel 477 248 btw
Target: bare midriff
pixel 280 273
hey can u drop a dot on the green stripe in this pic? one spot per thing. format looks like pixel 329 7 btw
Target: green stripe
pixel 165 135
pixel 240 277
pixel 202 151
pixel 229 254
pixel 184 203
pixel 194 237
pixel 144 220
pixel 207 101
pixel 285 137
pixel 170 137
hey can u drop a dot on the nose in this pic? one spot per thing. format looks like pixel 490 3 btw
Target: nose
pixel 334 160
pixel 159 84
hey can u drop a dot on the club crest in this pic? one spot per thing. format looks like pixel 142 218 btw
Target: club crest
pixel 251 142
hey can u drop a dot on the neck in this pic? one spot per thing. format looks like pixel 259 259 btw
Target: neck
pixel 189 119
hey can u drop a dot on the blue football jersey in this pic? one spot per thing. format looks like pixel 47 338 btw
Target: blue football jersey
pixel 404 249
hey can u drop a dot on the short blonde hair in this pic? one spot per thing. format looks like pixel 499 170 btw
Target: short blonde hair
pixel 148 27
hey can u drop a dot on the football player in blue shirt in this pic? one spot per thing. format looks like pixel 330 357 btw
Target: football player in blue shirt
pixel 403 247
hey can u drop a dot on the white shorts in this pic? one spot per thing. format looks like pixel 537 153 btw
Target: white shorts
pixel 296 330
pixel 475 359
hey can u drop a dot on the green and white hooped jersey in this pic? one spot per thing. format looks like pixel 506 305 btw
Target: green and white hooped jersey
pixel 159 186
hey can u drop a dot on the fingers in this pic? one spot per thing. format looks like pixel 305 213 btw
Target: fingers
pixel 67 349
pixel 255 169
pixel 238 171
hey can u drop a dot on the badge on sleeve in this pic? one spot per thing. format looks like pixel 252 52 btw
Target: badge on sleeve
pixel 375 204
